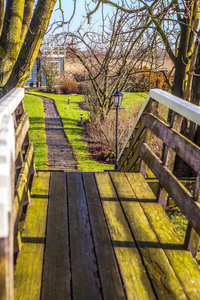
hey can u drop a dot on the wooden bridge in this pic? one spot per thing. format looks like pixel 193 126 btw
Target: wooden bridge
pixel 99 235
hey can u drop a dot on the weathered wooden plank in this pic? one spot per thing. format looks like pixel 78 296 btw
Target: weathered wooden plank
pixel 28 272
pixel 3 268
pixel 184 266
pixel 20 133
pixel 191 237
pixel 6 263
pixel 132 143
pixel 19 110
pixel 84 270
pixel 143 110
pixel 176 189
pixel 56 274
pixel 148 136
pixel 109 273
pixel 22 189
pixel 5 286
pixel 132 159
pixel 185 148
pixel 136 282
pixel 164 280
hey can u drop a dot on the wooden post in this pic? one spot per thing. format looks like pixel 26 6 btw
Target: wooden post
pixel 149 135
pixel 192 238
pixel 168 157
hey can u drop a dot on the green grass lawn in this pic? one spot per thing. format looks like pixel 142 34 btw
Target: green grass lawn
pixel 34 108
pixel 133 101
pixel 70 115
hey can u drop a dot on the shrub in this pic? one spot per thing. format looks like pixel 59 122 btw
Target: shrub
pixel 82 88
pixel 101 135
pixel 145 79
pixel 67 84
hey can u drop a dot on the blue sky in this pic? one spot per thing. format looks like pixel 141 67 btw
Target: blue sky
pixel 80 13
pixel 67 6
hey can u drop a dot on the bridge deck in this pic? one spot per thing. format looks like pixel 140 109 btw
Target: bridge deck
pixel 104 237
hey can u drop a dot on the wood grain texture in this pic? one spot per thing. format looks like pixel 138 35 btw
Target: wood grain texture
pixel 28 272
pixel 183 264
pixel 5 287
pixel 162 275
pixel 22 186
pixel 84 269
pixel 185 148
pixel 148 136
pixel 56 273
pixel 176 190
pixel 135 154
pixel 21 132
pixel 136 282
pixel 191 237
pixel 108 270
pixel 129 149
pixel 143 111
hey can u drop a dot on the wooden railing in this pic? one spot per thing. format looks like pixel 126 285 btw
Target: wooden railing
pixel 16 167
pixel 138 155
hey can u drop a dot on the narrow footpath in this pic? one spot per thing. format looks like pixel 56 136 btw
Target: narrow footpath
pixel 60 155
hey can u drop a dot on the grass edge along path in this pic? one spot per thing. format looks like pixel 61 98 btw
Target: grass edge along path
pixel 34 107
pixel 70 116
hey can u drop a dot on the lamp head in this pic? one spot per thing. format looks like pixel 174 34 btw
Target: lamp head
pixel 117 98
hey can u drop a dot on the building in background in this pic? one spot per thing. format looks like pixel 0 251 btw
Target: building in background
pixel 55 55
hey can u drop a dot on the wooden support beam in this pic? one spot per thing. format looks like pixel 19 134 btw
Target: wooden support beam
pixel 135 155
pixel 182 146
pixel 22 189
pixel 192 238
pixel 148 135
pixel 132 143
pixel 176 190
pixel 20 133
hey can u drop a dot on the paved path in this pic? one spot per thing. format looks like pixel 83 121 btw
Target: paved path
pixel 59 151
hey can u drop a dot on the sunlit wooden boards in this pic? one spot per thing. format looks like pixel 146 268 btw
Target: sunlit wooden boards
pixel 29 267
pixel 105 238
pixel 56 272
pixel 94 268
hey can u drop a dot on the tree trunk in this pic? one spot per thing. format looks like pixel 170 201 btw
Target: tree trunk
pixel 10 38
pixel 31 45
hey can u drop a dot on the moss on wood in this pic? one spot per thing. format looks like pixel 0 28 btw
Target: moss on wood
pixel 28 273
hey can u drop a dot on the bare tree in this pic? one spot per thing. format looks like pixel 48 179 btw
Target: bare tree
pixel 51 73
pixel 111 55
pixel 176 23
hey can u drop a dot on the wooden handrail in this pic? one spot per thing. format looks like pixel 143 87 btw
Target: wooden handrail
pixel 180 106
pixel 10 102
pixel 137 155
pixel 16 167
pixel 7 143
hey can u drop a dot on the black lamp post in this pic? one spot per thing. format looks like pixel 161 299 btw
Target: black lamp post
pixel 117 100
